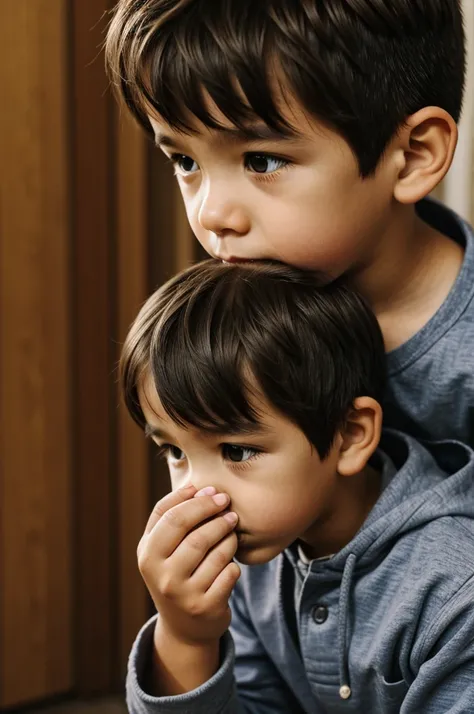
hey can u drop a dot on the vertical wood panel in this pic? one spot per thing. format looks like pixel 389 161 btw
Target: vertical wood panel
pixel 94 168
pixel 35 425
pixel 133 464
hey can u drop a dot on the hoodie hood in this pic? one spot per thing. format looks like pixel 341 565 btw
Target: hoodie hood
pixel 430 481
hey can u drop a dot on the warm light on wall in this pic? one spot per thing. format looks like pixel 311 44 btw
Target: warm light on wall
pixel 458 191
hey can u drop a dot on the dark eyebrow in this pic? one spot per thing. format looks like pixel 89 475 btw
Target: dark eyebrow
pixel 254 132
pixel 151 431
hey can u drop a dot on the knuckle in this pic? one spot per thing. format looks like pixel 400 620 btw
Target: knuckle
pixel 140 548
pixel 159 509
pixel 230 576
pixel 207 504
pixel 198 542
pixel 183 492
pixel 234 571
pixel 143 557
pixel 220 557
pixel 172 518
pixel 220 609
pixel 167 585
pixel 196 608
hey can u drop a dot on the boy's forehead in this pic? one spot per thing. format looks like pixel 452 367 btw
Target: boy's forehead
pixel 149 399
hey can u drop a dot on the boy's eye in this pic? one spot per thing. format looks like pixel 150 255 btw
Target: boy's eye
pixel 264 163
pixel 237 454
pixel 184 164
pixel 172 452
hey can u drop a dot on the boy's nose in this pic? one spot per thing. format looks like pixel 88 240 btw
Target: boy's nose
pixel 223 214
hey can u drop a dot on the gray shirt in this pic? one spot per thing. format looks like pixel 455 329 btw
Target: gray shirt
pixel 431 377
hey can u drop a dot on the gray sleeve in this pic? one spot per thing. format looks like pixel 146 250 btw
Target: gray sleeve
pixel 216 696
pixel 247 682
pixel 445 678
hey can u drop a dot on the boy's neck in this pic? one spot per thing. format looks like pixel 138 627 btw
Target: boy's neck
pixel 353 500
pixel 408 277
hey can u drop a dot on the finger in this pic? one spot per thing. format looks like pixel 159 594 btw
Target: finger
pixel 175 524
pixel 221 589
pixel 207 491
pixel 169 501
pixel 198 543
pixel 214 562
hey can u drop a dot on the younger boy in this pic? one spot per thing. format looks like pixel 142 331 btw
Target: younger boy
pixel 328 121
pixel 261 389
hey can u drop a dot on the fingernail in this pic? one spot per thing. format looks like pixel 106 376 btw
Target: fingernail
pixel 188 487
pixel 221 499
pixel 231 518
pixel 207 491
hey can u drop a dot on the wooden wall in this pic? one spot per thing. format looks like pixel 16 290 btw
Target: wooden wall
pixel 90 220
pixel 36 454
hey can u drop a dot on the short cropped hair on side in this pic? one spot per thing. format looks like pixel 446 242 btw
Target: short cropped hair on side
pixel 360 66
pixel 217 335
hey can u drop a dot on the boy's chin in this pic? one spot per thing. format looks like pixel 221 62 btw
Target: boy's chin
pixel 256 555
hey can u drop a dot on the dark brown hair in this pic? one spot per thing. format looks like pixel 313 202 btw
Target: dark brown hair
pixel 215 332
pixel 360 66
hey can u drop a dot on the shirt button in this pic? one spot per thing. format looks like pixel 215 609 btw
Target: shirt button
pixel 320 614
pixel 345 691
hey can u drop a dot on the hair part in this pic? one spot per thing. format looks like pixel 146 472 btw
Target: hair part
pixel 216 336
pixel 360 66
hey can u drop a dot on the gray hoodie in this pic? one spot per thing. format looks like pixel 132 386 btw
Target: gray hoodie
pixel 384 626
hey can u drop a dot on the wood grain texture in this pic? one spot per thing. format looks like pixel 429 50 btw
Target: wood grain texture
pixel 93 162
pixel 35 371
pixel 133 462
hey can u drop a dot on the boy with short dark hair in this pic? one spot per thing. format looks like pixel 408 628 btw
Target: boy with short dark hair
pixel 356 592
pixel 329 121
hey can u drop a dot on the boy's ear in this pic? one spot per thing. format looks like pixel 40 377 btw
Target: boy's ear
pixel 425 148
pixel 360 436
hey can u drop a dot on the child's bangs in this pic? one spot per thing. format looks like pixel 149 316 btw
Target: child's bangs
pixel 190 68
pixel 209 389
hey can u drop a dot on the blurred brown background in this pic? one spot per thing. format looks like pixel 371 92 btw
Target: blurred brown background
pixel 90 222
